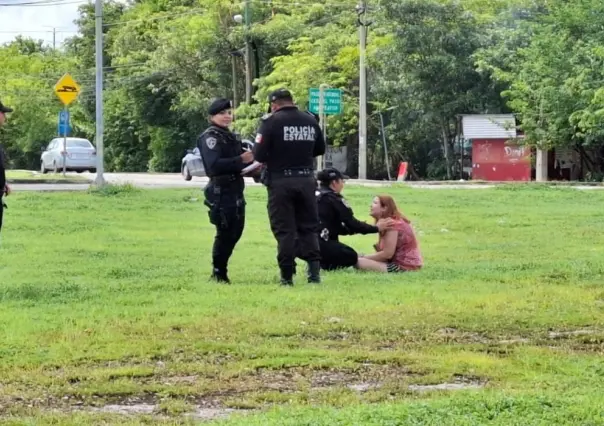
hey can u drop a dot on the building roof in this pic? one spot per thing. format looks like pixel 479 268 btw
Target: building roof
pixel 488 126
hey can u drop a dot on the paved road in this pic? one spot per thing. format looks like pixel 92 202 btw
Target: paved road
pixel 175 180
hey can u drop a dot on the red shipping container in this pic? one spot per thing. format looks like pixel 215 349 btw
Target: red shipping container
pixel 495 160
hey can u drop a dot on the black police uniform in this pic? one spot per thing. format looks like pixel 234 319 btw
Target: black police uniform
pixel 287 142
pixel 2 184
pixel 337 218
pixel 4 110
pixel 221 155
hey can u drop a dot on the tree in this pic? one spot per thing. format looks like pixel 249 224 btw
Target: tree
pixel 428 71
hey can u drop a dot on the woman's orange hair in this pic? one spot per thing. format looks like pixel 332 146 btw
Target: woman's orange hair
pixel 390 208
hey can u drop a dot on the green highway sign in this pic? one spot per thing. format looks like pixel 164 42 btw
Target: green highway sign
pixel 332 101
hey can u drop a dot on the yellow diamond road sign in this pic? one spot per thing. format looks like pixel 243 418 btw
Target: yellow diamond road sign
pixel 67 89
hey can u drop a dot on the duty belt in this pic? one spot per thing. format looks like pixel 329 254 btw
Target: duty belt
pixel 292 173
pixel 224 179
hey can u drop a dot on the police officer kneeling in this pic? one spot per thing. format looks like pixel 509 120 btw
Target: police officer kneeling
pixel 4 188
pixel 337 218
pixel 223 160
pixel 287 142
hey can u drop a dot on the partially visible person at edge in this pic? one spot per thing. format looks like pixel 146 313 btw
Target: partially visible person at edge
pixel 4 188
pixel 288 141
pixel 223 160
pixel 337 218
pixel 397 250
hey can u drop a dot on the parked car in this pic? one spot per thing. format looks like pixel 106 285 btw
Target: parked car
pixel 79 156
pixel 191 164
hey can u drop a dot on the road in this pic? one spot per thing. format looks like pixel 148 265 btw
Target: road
pixel 175 180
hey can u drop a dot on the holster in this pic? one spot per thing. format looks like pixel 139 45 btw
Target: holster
pixel 265 177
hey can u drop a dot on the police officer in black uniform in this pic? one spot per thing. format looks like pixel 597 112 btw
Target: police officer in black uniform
pixel 337 218
pixel 4 188
pixel 223 160
pixel 287 142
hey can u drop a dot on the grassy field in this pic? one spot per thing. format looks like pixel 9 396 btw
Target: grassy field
pixel 36 176
pixel 105 306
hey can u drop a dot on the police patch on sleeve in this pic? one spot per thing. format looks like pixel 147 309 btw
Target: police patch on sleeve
pixel 258 138
pixel 211 142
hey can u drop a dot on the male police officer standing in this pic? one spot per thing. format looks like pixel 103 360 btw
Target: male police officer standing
pixel 223 159
pixel 4 188
pixel 287 142
pixel 337 218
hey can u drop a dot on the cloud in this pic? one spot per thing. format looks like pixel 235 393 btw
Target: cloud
pixel 38 22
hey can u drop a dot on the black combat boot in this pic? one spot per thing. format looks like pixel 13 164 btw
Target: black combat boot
pixel 220 276
pixel 287 274
pixel 314 272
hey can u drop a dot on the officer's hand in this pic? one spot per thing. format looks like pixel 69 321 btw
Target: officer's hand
pixel 385 224
pixel 7 190
pixel 247 157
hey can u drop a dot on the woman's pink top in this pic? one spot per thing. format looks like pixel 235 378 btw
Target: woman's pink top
pixel 406 254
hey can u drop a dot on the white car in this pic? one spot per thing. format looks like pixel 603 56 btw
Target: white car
pixel 79 155
pixel 192 165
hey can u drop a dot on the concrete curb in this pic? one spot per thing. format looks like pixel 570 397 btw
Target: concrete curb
pixel 473 183
pixel 47 182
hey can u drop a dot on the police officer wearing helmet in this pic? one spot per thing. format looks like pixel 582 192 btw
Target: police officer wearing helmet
pixel 287 142
pixel 337 218
pixel 223 159
pixel 4 188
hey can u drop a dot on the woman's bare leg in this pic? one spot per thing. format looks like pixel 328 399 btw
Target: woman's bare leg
pixel 371 265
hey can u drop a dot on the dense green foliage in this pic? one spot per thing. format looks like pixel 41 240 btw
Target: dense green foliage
pixel 428 62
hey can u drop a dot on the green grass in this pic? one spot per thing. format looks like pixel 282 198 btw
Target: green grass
pixel 37 177
pixel 104 299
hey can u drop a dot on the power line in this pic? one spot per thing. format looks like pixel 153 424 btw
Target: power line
pixel 43 4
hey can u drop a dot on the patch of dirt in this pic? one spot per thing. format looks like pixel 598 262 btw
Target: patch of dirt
pixel 127 409
pixel 515 341
pixel 574 333
pixel 460 383
pixel 444 386
pixel 198 413
pixel 365 376
pixel 453 335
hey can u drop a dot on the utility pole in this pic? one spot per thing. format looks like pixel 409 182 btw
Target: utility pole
pixel 362 11
pixel 54 38
pixel 98 14
pixel 234 78
pixel 248 55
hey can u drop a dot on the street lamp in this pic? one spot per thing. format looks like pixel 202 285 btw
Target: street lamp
pixel 239 19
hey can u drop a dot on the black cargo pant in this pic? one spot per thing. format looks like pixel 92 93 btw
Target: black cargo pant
pixel 1 212
pixel 336 255
pixel 227 214
pixel 294 218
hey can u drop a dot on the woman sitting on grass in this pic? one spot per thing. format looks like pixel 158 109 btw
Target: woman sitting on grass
pixel 397 249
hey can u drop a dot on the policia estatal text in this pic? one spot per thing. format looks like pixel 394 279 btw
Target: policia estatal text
pixel 287 142
pixel 223 160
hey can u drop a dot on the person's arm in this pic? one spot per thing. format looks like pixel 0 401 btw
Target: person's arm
pixel 263 142
pixel 350 224
pixel 210 148
pixel 319 148
pixel 388 249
